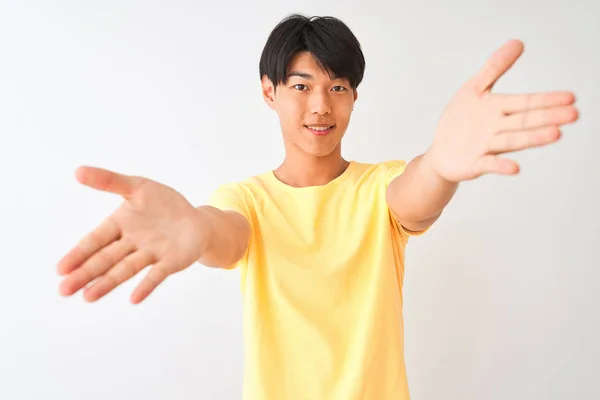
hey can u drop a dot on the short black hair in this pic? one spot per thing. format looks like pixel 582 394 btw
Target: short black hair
pixel 329 40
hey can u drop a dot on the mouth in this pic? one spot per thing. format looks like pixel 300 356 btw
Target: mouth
pixel 320 130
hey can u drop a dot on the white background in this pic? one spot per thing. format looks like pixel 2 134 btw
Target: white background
pixel 501 297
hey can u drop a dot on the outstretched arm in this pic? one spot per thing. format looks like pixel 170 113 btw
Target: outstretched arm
pixel 154 226
pixel 474 130
pixel 227 239
pixel 418 196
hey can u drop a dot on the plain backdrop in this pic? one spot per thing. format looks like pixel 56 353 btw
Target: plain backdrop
pixel 501 297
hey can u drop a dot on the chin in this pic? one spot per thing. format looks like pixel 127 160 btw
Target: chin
pixel 319 151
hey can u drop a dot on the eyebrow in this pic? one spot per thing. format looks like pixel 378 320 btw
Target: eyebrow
pixel 307 76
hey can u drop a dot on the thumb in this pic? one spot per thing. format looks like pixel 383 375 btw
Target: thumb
pixel 497 65
pixel 108 181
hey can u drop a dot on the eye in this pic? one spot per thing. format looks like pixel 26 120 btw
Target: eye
pixel 339 89
pixel 300 87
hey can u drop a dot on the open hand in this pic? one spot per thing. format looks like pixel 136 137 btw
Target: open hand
pixel 155 225
pixel 477 126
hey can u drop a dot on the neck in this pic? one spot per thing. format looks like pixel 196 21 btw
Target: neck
pixel 303 170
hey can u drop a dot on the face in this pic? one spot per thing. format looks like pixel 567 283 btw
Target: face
pixel 314 109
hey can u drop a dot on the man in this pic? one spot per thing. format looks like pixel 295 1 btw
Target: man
pixel 319 240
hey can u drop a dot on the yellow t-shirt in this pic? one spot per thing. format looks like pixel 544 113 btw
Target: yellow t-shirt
pixel 322 287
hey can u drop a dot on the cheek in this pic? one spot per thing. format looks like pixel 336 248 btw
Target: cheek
pixel 343 117
pixel 291 114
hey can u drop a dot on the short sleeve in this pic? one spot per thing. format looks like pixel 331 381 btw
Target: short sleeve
pixel 393 170
pixel 231 197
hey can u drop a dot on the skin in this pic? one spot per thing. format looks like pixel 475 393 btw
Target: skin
pixel 310 97
pixel 157 226
pixel 475 132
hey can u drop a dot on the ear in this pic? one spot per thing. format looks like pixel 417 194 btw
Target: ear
pixel 355 94
pixel 268 91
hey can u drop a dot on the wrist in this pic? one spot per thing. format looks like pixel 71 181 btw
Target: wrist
pixel 202 220
pixel 428 169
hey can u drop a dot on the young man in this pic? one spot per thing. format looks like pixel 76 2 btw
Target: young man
pixel 320 240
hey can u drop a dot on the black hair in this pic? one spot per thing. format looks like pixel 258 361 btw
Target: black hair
pixel 329 40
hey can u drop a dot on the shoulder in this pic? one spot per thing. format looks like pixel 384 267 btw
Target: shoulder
pixel 380 172
pixel 249 187
pixel 243 192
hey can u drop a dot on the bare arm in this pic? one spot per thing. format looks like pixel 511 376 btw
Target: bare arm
pixel 418 196
pixel 475 131
pixel 227 238
pixel 154 227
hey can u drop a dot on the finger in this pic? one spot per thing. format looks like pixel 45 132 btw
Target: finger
pixel 121 272
pixel 491 164
pixel 510 103
pixel 538 118
pixel 157 274
pixel 95 266
pixel 106 233
pixel 521 140
pixel 108 181
pixel 497 65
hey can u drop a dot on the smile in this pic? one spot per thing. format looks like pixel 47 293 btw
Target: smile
pixel 319 129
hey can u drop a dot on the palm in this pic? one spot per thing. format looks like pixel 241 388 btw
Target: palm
pixel 477 125
pixel 154 225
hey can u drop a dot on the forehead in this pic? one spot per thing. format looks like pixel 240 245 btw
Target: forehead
pixel 304 65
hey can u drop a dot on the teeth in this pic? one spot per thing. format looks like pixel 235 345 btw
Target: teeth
pixel 319 128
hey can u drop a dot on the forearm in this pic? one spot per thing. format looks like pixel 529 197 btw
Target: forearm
pixel 418 196
pixel 226 237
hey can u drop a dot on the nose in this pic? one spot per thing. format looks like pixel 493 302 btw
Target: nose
pixel 320 103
